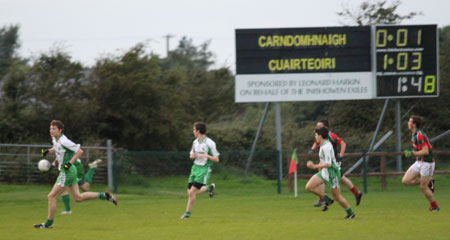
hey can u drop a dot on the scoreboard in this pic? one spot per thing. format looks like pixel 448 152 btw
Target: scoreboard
pixel 406 61
pixel 336 63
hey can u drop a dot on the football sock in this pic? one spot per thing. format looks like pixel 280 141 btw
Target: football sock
pixel 210 188
pixel 90 175
pixel 326 198
pixel 354 191
pixel 349 210
pixel 101 195
pixel 66 201
pixel 434 204
pixel 320 198
pixel 187 214
pixel 49 222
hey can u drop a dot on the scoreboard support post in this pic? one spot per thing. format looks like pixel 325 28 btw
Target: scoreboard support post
pixel 279 150
pixel 398 134
pixel 258 132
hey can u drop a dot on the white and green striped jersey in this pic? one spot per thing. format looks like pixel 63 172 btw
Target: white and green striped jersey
pixel 326 155
pixel 64 149
pixel 208 146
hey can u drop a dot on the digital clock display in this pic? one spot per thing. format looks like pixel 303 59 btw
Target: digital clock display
pixel 406 61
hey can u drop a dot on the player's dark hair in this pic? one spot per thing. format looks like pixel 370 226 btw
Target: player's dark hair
pixel 417 120
pixel 322 132
pixel 201 127
pixel 324 122
pixel 57 124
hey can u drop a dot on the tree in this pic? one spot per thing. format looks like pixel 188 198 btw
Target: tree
pixel 9 43
pixel 370 12
pixel 136 105
pixel 56 86
pixel 14 108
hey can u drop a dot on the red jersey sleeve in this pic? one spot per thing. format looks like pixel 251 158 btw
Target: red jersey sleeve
pixel 421 140
pixel 335 138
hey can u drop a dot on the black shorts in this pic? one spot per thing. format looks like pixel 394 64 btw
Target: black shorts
pixel 195 184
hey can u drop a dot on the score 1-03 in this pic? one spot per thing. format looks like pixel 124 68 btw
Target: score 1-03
pixel 403 61
pixel 428 86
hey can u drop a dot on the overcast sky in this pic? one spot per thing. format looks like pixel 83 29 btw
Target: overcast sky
pixel 90 29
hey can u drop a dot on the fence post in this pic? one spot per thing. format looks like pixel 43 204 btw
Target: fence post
pixel 110 164
pixel 115 171
pixel 365 172
pixel 383 172
pixel 28 164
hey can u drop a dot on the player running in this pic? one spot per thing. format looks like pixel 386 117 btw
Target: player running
pixel 204 154
pixel 424 165
pixel 329 174
pixel 336 141
pixel 84 182
pixel 66 153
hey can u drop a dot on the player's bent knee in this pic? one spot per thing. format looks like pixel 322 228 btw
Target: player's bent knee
pixel 424 186
pixel 309 187
pixel 50 196
pixel 405 181
pixel 77 198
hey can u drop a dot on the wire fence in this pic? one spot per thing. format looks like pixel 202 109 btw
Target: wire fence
pixel 18 163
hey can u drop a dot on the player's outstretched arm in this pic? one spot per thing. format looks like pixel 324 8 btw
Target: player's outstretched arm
pixel 311 165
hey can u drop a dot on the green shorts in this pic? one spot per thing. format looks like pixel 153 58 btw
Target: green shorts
pixel 330 176
pixel 80 170
pixel 200 174
pixel 67 178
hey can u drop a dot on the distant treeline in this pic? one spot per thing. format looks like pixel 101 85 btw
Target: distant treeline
pixel 145 102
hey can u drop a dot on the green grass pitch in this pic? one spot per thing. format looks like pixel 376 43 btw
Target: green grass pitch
pixel 243 208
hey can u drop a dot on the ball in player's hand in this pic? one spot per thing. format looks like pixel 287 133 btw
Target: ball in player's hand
pixel 44 165
pixel 309 164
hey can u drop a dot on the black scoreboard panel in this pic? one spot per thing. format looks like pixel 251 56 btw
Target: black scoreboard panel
pixel 406 60
pixel 303 50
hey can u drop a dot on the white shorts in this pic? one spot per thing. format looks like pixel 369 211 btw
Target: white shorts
pixel 424 168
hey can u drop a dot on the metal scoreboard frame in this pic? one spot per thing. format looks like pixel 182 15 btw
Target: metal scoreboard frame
pixel 336 63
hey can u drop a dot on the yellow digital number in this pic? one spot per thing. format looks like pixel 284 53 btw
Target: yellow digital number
pixel 381 38
pixel 419 37
pixel 430 84
pixel 402 41
pixel 417 59
pixel 401 66
pixel 385 65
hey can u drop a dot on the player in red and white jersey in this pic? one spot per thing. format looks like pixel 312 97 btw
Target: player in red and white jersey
pixel 421 172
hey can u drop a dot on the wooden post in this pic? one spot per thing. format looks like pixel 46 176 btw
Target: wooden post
pixel 383 172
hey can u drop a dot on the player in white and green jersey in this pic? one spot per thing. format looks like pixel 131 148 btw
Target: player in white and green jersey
pixel 204 154
pixel 329 174
pixel 84 181
pixel 67 152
